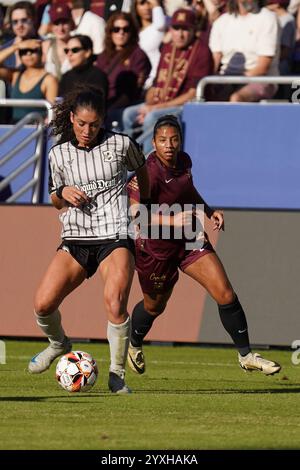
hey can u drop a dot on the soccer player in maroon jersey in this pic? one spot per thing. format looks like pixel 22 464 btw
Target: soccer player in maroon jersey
pixel 169 169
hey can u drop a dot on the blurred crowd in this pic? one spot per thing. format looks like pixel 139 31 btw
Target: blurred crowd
pixel 147 56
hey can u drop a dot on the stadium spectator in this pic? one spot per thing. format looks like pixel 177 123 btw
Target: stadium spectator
pixel 80 54
pixel 92 191
pixel 55 58
pixel 42 8
pixel 288 34
pixel 255 53
pixel 88 24
pixel 183 63
pixel 150 20
pixel 126 65
pixel 22 21
pixel 31 81
pixel 158 260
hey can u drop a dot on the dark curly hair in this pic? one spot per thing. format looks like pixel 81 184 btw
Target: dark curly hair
pixel 81 96
pixel 109 46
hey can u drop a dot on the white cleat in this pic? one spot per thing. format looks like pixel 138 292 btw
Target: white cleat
pixel 254 361
pixel 43 360
pixel 136 359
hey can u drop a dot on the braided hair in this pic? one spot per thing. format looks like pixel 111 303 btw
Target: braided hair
pixel 81 96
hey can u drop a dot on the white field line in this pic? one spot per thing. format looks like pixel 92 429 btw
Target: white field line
pixel 194 363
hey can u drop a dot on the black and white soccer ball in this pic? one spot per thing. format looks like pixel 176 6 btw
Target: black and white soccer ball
pixel 77 371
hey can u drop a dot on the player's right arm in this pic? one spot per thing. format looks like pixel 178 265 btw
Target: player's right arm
pixel 61 194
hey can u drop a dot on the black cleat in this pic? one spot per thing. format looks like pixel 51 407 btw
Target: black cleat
pixel 116 384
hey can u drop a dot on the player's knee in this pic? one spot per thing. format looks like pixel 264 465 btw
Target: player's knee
pixel 155 310
pixel 115 305
pixel 226 295
pixel 43 306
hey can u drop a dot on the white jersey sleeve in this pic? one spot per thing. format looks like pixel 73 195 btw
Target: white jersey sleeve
pixel 56 174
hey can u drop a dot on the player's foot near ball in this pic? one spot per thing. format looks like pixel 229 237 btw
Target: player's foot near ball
pixel 136 359
pixel 116 384
pixel 43 360
pixel 256 362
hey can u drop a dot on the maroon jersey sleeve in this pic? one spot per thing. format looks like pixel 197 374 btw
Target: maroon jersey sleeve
pixel 133 186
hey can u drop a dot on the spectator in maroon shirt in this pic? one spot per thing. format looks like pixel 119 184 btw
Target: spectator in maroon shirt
pixel 184 61
pixel 125 64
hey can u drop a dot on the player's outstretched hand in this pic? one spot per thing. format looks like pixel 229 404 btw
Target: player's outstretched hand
pixel 218 219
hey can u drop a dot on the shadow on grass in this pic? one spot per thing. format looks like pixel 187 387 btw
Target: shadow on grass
pixel 107 394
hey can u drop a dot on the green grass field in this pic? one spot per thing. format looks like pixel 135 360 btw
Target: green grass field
pixel 189 398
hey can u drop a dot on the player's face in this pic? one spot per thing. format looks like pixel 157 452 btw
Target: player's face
pixel 86 125
pixel 167 143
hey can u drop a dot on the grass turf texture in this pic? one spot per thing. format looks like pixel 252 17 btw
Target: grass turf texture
pixel 189 398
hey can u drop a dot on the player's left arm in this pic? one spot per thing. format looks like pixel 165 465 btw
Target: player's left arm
pixel 216 216
pixel 144 183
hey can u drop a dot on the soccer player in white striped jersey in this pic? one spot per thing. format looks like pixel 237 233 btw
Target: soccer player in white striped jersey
pixel 88 175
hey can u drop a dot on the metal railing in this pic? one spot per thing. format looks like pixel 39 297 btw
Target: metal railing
pixel 8 102
pixel 241 80
pixel 36 158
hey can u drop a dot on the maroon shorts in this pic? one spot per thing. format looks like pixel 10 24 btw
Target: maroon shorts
pixel 158 276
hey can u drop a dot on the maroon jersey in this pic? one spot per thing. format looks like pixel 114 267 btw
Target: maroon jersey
pixel 168 186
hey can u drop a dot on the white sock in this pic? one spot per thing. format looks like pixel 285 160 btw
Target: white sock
pixel 51 326
pixel 118 338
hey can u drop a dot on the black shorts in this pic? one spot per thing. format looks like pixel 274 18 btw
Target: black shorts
pixel 90 256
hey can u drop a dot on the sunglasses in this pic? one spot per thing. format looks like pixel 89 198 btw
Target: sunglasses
pixel 74 50
pixel 117 29
pixel 22 21
pixel 178 27
pixel 29 51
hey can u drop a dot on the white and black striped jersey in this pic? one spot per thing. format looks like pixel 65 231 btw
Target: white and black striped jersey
pixel 101 172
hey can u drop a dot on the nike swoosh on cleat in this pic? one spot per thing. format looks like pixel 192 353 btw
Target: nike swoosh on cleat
pixel 168 181
pixel 138 369
pixel 242 331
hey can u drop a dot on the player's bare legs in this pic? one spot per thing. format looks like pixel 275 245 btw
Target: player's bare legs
pixel 63 275
pixel 117 273
pixel 143 316
pixel 210 273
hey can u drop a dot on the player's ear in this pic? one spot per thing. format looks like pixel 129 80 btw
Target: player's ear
pixel 153 143
pixel 72 117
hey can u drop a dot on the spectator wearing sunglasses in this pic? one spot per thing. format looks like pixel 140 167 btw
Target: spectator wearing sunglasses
pixel 126 65
pixel 31 81
pixel 54 56
pixel 80 54
pixel 22 22
pixel 150 20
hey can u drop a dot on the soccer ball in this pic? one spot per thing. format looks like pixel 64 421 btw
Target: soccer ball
pixel 77 371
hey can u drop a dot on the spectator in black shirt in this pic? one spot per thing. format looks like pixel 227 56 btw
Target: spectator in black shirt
pixel 80 54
